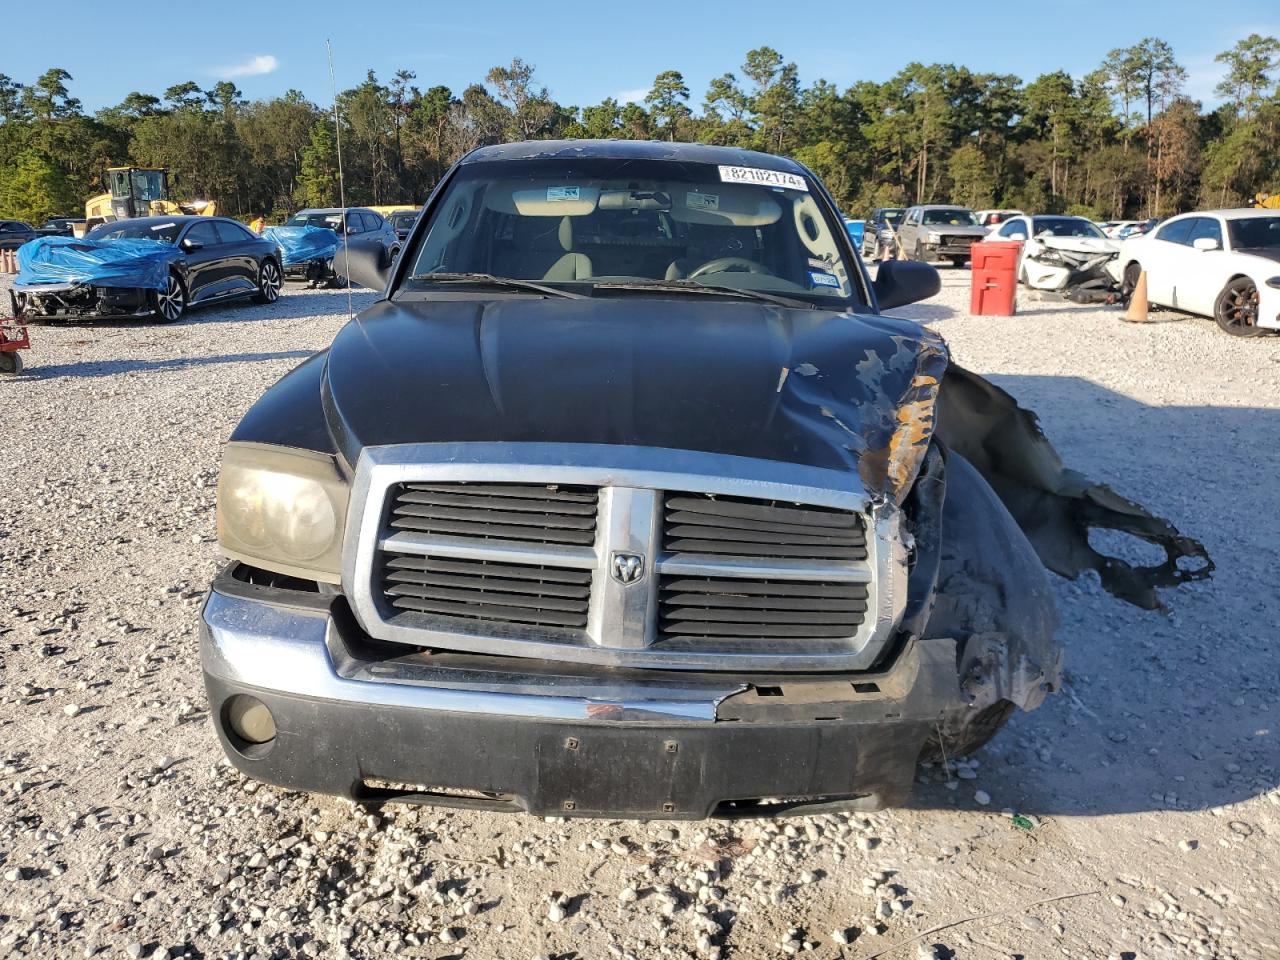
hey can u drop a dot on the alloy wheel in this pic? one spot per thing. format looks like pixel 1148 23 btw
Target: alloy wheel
pixel 1237 308
pixel 269 282
pixel 170 300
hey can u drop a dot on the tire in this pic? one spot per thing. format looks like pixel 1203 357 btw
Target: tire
pixel 959 261
pixel 972 736
pixel 169 304
pixel 1236 309
pixel 918 253
pixel 1130 281
pixel 269 283
pixel 10 363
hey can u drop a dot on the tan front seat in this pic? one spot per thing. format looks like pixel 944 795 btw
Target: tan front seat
pixel 572 266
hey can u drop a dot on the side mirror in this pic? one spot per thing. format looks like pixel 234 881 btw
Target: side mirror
pixel 1207 243
pixel 191 246
pixel 363 262
pixel 899 282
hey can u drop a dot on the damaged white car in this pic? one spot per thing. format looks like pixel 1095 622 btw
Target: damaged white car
pixel 1065 255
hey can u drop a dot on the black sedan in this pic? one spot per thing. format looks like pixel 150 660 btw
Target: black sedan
pixel 14 233
pixel 59 226
pixel 112 273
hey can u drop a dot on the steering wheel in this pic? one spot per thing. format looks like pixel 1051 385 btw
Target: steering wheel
pixel 725 264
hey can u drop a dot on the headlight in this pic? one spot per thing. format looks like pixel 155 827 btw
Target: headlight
pixel 282 509
pixel 932 237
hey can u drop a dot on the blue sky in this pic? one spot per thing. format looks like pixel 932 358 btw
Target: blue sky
pixel 585 51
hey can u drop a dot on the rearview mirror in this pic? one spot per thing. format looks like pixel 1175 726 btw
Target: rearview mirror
pixel 899 282
pixel 1207 243
pixel 363 262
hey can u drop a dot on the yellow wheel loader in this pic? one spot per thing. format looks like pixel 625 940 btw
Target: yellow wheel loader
pixel 137 192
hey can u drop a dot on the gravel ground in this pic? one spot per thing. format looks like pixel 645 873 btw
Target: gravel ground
pixel 1134 815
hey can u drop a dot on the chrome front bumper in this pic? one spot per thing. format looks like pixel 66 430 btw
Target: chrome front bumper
pixel 370 721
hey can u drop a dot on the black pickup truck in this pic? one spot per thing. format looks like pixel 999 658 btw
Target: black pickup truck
pixel 626 499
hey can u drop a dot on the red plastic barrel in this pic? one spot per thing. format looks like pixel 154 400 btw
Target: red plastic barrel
pixel 994 288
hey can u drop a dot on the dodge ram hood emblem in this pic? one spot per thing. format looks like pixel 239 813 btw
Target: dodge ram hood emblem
pixel 627 567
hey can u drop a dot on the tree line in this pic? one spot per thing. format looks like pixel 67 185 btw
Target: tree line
pixel 1122 141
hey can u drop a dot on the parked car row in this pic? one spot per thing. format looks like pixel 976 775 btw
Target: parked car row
pixel 158 267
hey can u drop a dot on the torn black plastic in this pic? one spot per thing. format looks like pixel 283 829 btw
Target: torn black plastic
pixel 1056 506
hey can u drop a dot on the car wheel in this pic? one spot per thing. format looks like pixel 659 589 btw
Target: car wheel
pixel 958 261
pixel 170 302
pixel 269 283
pixel 10 363
pixel 1236 309
pixel 1130 282
pixel 969 737
pixel 918 253
pixel 395 252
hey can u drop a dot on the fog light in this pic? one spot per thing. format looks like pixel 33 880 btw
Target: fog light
pixel 250 720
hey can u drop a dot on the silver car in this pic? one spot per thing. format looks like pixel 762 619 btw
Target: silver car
pixel 934 232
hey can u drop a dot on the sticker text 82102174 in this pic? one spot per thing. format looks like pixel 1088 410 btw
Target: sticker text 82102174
pixel 762 177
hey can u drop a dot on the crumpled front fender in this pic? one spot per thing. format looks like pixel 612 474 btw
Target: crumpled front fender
pixel 1056 506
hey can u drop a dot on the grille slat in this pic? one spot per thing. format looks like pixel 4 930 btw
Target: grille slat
pixel 742 527
pixel 520 512
pixel 530 491
pixel 765 510
pixel 686 601
pixel 718 609
pixel 446 581
pixel 531 504
pixel 800 588
pixel 481 590
pixel 469 611
pixel 528 572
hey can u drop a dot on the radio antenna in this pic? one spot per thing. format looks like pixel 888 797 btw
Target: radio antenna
pixel 342 187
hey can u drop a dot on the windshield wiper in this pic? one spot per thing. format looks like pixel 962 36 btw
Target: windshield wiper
pixel 489 280
pixel 694 286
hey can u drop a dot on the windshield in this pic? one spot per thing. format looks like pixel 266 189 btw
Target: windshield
pixel 892 217
pixel 403 221
pixel 603 221
pixel 332 221
pixel 1254 232
pixel 1065 227
pixel 166 231
pixel 951 218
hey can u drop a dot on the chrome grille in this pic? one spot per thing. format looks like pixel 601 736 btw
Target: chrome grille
pixel 536 513
pixel 730 563
pixel 480 590
pixel 713 609
pixel 751 527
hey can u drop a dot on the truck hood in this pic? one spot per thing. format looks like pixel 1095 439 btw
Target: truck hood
pixel 811 387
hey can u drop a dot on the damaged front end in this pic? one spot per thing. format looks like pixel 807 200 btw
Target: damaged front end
pixel 78 301
pixel 1083 274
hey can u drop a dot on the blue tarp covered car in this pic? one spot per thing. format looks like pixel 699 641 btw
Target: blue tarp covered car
pixel 124 263
pixel 300 245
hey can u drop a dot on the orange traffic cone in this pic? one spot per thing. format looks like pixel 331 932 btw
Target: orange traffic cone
pixel 1138 306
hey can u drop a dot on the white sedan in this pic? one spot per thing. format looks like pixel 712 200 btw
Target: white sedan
pixel 1223 264
pixel 1057 249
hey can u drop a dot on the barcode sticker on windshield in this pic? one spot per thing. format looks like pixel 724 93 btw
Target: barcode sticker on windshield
pixel 702 201
pixel 821 279
pixel 163 226
pixel 761 177
pixel 563 193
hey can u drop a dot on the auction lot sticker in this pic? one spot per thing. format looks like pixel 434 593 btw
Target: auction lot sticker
pixel 765 178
